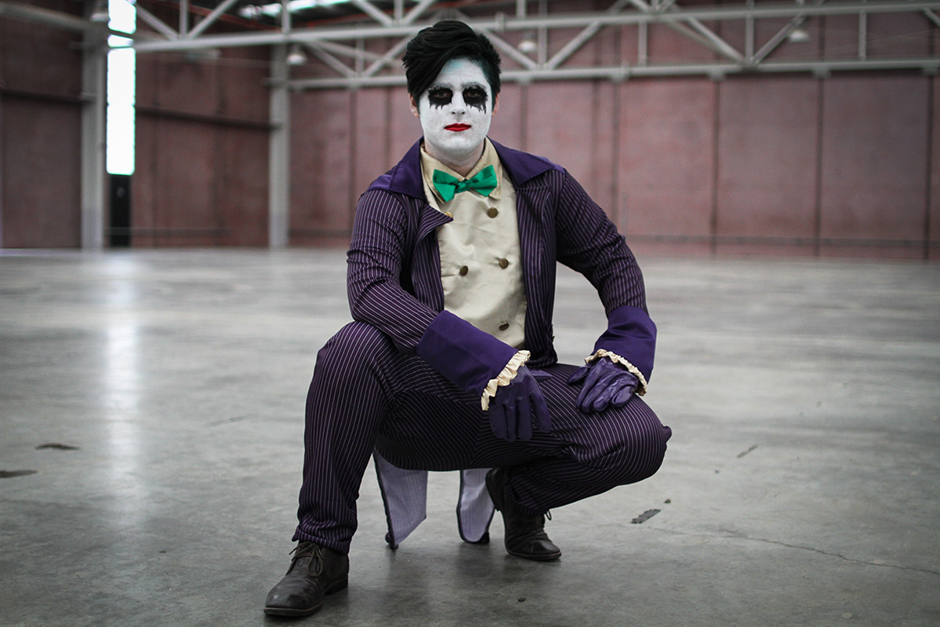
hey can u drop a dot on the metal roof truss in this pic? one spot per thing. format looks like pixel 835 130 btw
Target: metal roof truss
pixel 342 47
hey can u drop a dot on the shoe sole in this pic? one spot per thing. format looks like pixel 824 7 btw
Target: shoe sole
pixel 548 557
pixel 336 586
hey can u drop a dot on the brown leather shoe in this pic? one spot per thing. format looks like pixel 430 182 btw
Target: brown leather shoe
pixel 314 571
pixel 525 535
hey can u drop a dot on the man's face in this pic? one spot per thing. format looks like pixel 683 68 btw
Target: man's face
pixel 456 111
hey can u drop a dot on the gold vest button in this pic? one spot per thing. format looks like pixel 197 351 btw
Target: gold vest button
pixel 448 214
pixel 492 212
pixel 504 326
pixel 464 270
pixel 503 263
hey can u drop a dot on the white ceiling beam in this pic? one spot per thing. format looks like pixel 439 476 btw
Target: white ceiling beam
pixel 417 11
pixel 348 51
pixel 340 67
pixel 65 21
pixel 387 58
pixel 509 50
pixel 622 73
pixel 508 23
pixel 156 23
pixel 932 17
pixel 38 15
pixel 207 21
pixel 370 9
pixel 184 17
pixel 717 43
pixel 583 37
pixel 774 42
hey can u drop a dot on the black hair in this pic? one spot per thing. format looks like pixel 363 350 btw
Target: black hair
pixel 434 46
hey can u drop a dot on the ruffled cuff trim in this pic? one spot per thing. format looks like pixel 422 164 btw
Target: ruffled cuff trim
pixel 504 378
pixel 617 359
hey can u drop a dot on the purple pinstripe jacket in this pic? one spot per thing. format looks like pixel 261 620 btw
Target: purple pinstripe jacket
pixel 394 271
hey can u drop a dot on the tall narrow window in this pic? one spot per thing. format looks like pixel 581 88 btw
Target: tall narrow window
pixel 122 71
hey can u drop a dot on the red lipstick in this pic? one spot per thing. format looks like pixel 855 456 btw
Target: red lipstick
pixel 457 128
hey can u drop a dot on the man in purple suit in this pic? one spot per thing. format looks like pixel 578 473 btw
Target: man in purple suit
pixel 449 363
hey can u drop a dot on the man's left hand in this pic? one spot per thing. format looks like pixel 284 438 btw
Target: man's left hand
pixel 606 384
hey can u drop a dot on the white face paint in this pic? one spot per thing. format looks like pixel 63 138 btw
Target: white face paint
pixel 455 113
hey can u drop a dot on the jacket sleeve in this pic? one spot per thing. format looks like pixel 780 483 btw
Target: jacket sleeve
pixel 589 243
pixel 382 245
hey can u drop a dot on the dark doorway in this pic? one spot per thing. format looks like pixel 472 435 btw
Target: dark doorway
pixel 120 225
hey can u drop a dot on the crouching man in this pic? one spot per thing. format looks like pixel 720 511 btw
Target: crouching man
pixel 449 363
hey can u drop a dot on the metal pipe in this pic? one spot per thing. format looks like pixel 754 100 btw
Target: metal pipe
pixel 156 23
pixel 581 38
pixel 509 50
pixel 330 60
pixel 862 35
pixel 184 17
pixel 347 33
pixel 417 11
pixel 348 51
pixel 369 9
pixel 48 17
pixel 387 57
pixel 279 150
pixel 620 73
pixel 776 40
pixel 207 21
pixel 642 53
pixel 932 17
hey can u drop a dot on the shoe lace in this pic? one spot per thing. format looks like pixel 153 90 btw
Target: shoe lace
pixel 312 550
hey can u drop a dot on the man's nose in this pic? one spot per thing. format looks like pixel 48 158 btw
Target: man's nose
pixel 458 104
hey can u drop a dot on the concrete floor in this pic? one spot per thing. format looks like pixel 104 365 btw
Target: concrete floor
pixel 801 487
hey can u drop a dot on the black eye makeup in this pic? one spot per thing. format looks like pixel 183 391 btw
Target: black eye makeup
pixel 475 96
pixel 440 96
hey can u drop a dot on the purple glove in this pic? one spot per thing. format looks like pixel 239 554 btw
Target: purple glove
pixel 515 405
pixel 605 383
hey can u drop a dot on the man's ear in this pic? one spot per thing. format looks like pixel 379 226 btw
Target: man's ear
pixel 495 104
pixel 414 106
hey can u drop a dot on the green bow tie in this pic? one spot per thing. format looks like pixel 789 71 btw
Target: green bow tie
pixel 447 186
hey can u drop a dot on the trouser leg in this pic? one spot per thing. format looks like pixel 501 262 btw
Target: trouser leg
pixel 366 395
pixel 584 454
pixel 346 402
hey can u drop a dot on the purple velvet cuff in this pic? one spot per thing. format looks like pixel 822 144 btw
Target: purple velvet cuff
pixel 465 355
pixel 632 335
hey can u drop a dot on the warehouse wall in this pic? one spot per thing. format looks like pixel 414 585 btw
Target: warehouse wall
pixel 202 147
pixel 40 132
pixel 842 165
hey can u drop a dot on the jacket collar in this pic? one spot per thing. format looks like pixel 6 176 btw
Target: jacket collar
pixel 405 177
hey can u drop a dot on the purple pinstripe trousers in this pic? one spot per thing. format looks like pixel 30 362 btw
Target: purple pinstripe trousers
pixel 367 395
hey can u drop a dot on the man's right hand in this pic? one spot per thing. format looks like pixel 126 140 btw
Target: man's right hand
pixel 517 405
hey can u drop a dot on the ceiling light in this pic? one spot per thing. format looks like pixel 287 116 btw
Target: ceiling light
pixel 296 56
pixel 798 36
pixel 528 43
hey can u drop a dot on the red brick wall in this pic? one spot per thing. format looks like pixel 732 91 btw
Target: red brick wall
pixel 40 133
pixel 844 165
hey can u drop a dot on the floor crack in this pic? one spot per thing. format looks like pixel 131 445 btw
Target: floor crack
pixel 742 536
